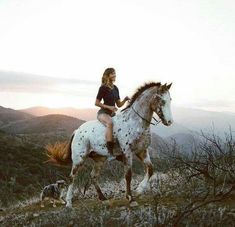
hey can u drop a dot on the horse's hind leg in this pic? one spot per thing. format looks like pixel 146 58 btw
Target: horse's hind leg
pixel 98 164
pixel 94 177
pixel 69 195
pixel 145 158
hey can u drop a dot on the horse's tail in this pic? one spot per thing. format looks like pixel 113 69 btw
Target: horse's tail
pixel 60 152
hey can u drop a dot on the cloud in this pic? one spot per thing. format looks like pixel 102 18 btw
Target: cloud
pixel 30 83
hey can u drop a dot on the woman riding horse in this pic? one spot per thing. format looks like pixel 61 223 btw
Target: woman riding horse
pixel 131 128
pixel 110 95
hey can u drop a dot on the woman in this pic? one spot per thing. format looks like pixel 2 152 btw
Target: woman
pixel 110 95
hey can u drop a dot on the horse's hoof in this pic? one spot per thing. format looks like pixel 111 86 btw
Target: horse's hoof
pixel 133 204
pixel 68 206
pixel 129 198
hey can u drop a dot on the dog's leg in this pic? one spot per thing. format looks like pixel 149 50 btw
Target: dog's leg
pixel 61 196
pixel 54 202
pixel 41 199
pixel 62 200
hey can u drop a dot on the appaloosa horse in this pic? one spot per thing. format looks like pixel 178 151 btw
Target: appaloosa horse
pixel 131 130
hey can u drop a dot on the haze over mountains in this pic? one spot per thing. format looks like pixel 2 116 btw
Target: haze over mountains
pixel 186 120
pixel 43 125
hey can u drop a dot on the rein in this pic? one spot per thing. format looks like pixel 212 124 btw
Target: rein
pixel 157 122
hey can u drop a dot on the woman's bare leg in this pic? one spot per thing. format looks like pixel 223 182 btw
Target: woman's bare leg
pixel 107 121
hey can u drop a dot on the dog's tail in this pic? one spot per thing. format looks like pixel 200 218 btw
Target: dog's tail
pixel 60 152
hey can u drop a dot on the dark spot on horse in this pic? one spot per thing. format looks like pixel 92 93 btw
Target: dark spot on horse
pixel 85 131
pixel 119 130
pixel 126 143
pixel 126 135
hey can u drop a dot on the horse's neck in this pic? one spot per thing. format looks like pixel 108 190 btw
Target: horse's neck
pixel 141 110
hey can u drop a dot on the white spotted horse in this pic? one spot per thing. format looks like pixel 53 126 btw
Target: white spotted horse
pixel 131 128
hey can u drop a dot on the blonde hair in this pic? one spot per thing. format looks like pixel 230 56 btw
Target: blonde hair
pixel 106 79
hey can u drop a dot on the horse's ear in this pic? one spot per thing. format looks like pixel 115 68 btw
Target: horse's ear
pixel 169 86
pixel 163 88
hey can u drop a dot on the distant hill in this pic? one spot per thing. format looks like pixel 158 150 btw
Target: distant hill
pixel 197 120
pixel 83 114
pixel 165 131
pixel 185 141
pixel 186 120
pixel 158 145
pixel 8 115
pixel 44 124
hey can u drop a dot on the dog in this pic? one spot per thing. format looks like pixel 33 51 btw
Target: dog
pixel 54 192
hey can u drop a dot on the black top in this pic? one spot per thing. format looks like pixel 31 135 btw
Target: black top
pixel 110 96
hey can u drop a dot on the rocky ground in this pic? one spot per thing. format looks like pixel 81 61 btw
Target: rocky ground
pixel 151 209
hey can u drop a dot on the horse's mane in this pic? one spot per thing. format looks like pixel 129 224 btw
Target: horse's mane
pixel 139 91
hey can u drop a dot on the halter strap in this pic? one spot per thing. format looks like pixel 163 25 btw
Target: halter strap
pixel 157 122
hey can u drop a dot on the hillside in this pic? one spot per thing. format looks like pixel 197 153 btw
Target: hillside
pixel 23 172
pixel 44 124
pixel 8 115
pixel 165 131
pixel 197 120
pixel 186 120
pixel 84 114
pixel 185 141
pixel 158 145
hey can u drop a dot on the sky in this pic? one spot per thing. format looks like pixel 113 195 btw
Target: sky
pixel 53 52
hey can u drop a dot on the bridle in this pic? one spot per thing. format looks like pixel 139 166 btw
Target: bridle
pixel 156 121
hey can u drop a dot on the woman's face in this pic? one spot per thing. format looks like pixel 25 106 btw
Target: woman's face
pixel 112 77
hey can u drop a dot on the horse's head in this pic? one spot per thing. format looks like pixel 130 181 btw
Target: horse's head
pixel 161 104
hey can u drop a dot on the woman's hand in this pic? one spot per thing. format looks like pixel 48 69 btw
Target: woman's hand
pixel 113 108
pixel 127 98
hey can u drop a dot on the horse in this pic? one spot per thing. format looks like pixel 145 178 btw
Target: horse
pixel 131 131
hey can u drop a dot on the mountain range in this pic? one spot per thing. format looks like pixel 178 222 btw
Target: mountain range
pixel 186 120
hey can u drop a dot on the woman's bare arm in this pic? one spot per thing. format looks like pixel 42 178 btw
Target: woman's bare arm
pixel 121 103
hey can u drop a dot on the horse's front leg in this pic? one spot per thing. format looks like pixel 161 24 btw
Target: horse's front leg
pixel 128 176
pixel 145 159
